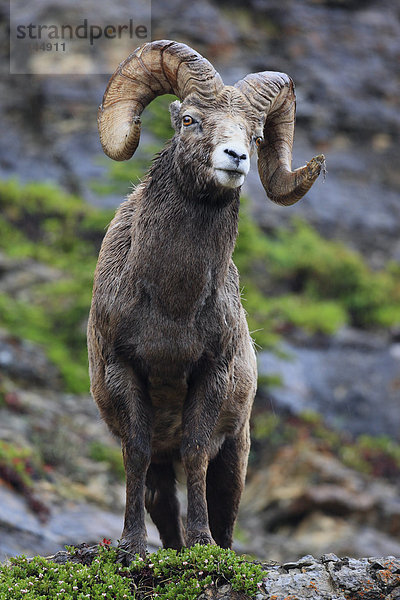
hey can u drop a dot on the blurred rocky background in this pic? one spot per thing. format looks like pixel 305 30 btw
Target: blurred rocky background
pixel 321 283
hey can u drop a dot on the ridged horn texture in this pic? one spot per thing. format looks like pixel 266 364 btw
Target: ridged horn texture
pixel 272 93
pixel 156 68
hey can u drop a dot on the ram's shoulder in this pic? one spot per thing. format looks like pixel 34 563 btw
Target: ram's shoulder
pixel 125 214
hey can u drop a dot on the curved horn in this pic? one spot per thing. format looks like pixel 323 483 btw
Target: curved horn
pixel 273 94
pixel 156 68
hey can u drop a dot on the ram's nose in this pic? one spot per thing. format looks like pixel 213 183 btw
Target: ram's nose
pixel 235 155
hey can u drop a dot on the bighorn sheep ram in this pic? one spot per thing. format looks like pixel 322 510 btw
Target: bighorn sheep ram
pixel 172 364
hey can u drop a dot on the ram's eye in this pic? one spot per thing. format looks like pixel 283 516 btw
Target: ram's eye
pixel 258 141
pixel 187 120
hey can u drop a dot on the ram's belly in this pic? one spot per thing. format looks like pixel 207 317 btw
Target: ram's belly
pixel 168 397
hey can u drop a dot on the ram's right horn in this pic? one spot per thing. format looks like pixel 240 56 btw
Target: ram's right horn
pixel 273 94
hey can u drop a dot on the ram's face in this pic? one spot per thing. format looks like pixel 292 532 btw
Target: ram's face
pixel 220 137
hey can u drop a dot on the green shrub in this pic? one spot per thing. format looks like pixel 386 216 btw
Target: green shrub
pixel 378 456
pixel 156 118
pixel 166 575
pixel 296 278
pixel 39 221
pixel 326 270
pixel 39 579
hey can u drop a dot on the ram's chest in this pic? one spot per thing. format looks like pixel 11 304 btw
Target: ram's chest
pixel 164 344
pixel 178 289
pixel 166 325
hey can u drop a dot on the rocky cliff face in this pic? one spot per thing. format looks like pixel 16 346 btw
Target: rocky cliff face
pixel 343 57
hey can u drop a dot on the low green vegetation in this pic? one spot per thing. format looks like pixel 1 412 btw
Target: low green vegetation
pixel 166 575
pixel 19 468
pixel 41 223
pixel 290 279
pixel 156 118
pixel 295 278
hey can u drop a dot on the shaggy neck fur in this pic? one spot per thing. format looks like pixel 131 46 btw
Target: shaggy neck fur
pixel 192 226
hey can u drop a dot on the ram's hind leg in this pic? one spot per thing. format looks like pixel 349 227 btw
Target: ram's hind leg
pixel 163 505
pixel 225 481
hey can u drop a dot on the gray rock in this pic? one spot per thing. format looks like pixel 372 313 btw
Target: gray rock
pixel 70 523
pixel 27 362
pixel 302 500
pixel 344 380
pixel 334 580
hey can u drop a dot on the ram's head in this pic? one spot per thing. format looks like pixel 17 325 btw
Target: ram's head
pixel 223 124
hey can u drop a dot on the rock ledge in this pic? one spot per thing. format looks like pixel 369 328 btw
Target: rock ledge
pixel 327 578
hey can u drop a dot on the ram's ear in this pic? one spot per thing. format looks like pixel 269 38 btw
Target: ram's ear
pixel 174 109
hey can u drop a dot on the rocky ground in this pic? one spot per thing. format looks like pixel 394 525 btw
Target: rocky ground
pixel 302 498
pixel 329 578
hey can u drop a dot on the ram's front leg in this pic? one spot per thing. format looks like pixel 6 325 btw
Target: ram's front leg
pixel 207 391
pixel 127 409
pixel 136 455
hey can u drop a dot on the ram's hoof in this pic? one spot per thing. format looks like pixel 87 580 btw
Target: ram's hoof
pixel 200 537
pixel 128 550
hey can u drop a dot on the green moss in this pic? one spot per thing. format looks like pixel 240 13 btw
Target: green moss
pixel 58 328
pixel 39 579
pixel 166 575
pixel 294 310
pixel 326 270
pixel 41 221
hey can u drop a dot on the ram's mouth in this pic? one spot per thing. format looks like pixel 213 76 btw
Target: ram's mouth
pixel 233 172
pixel 230 178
